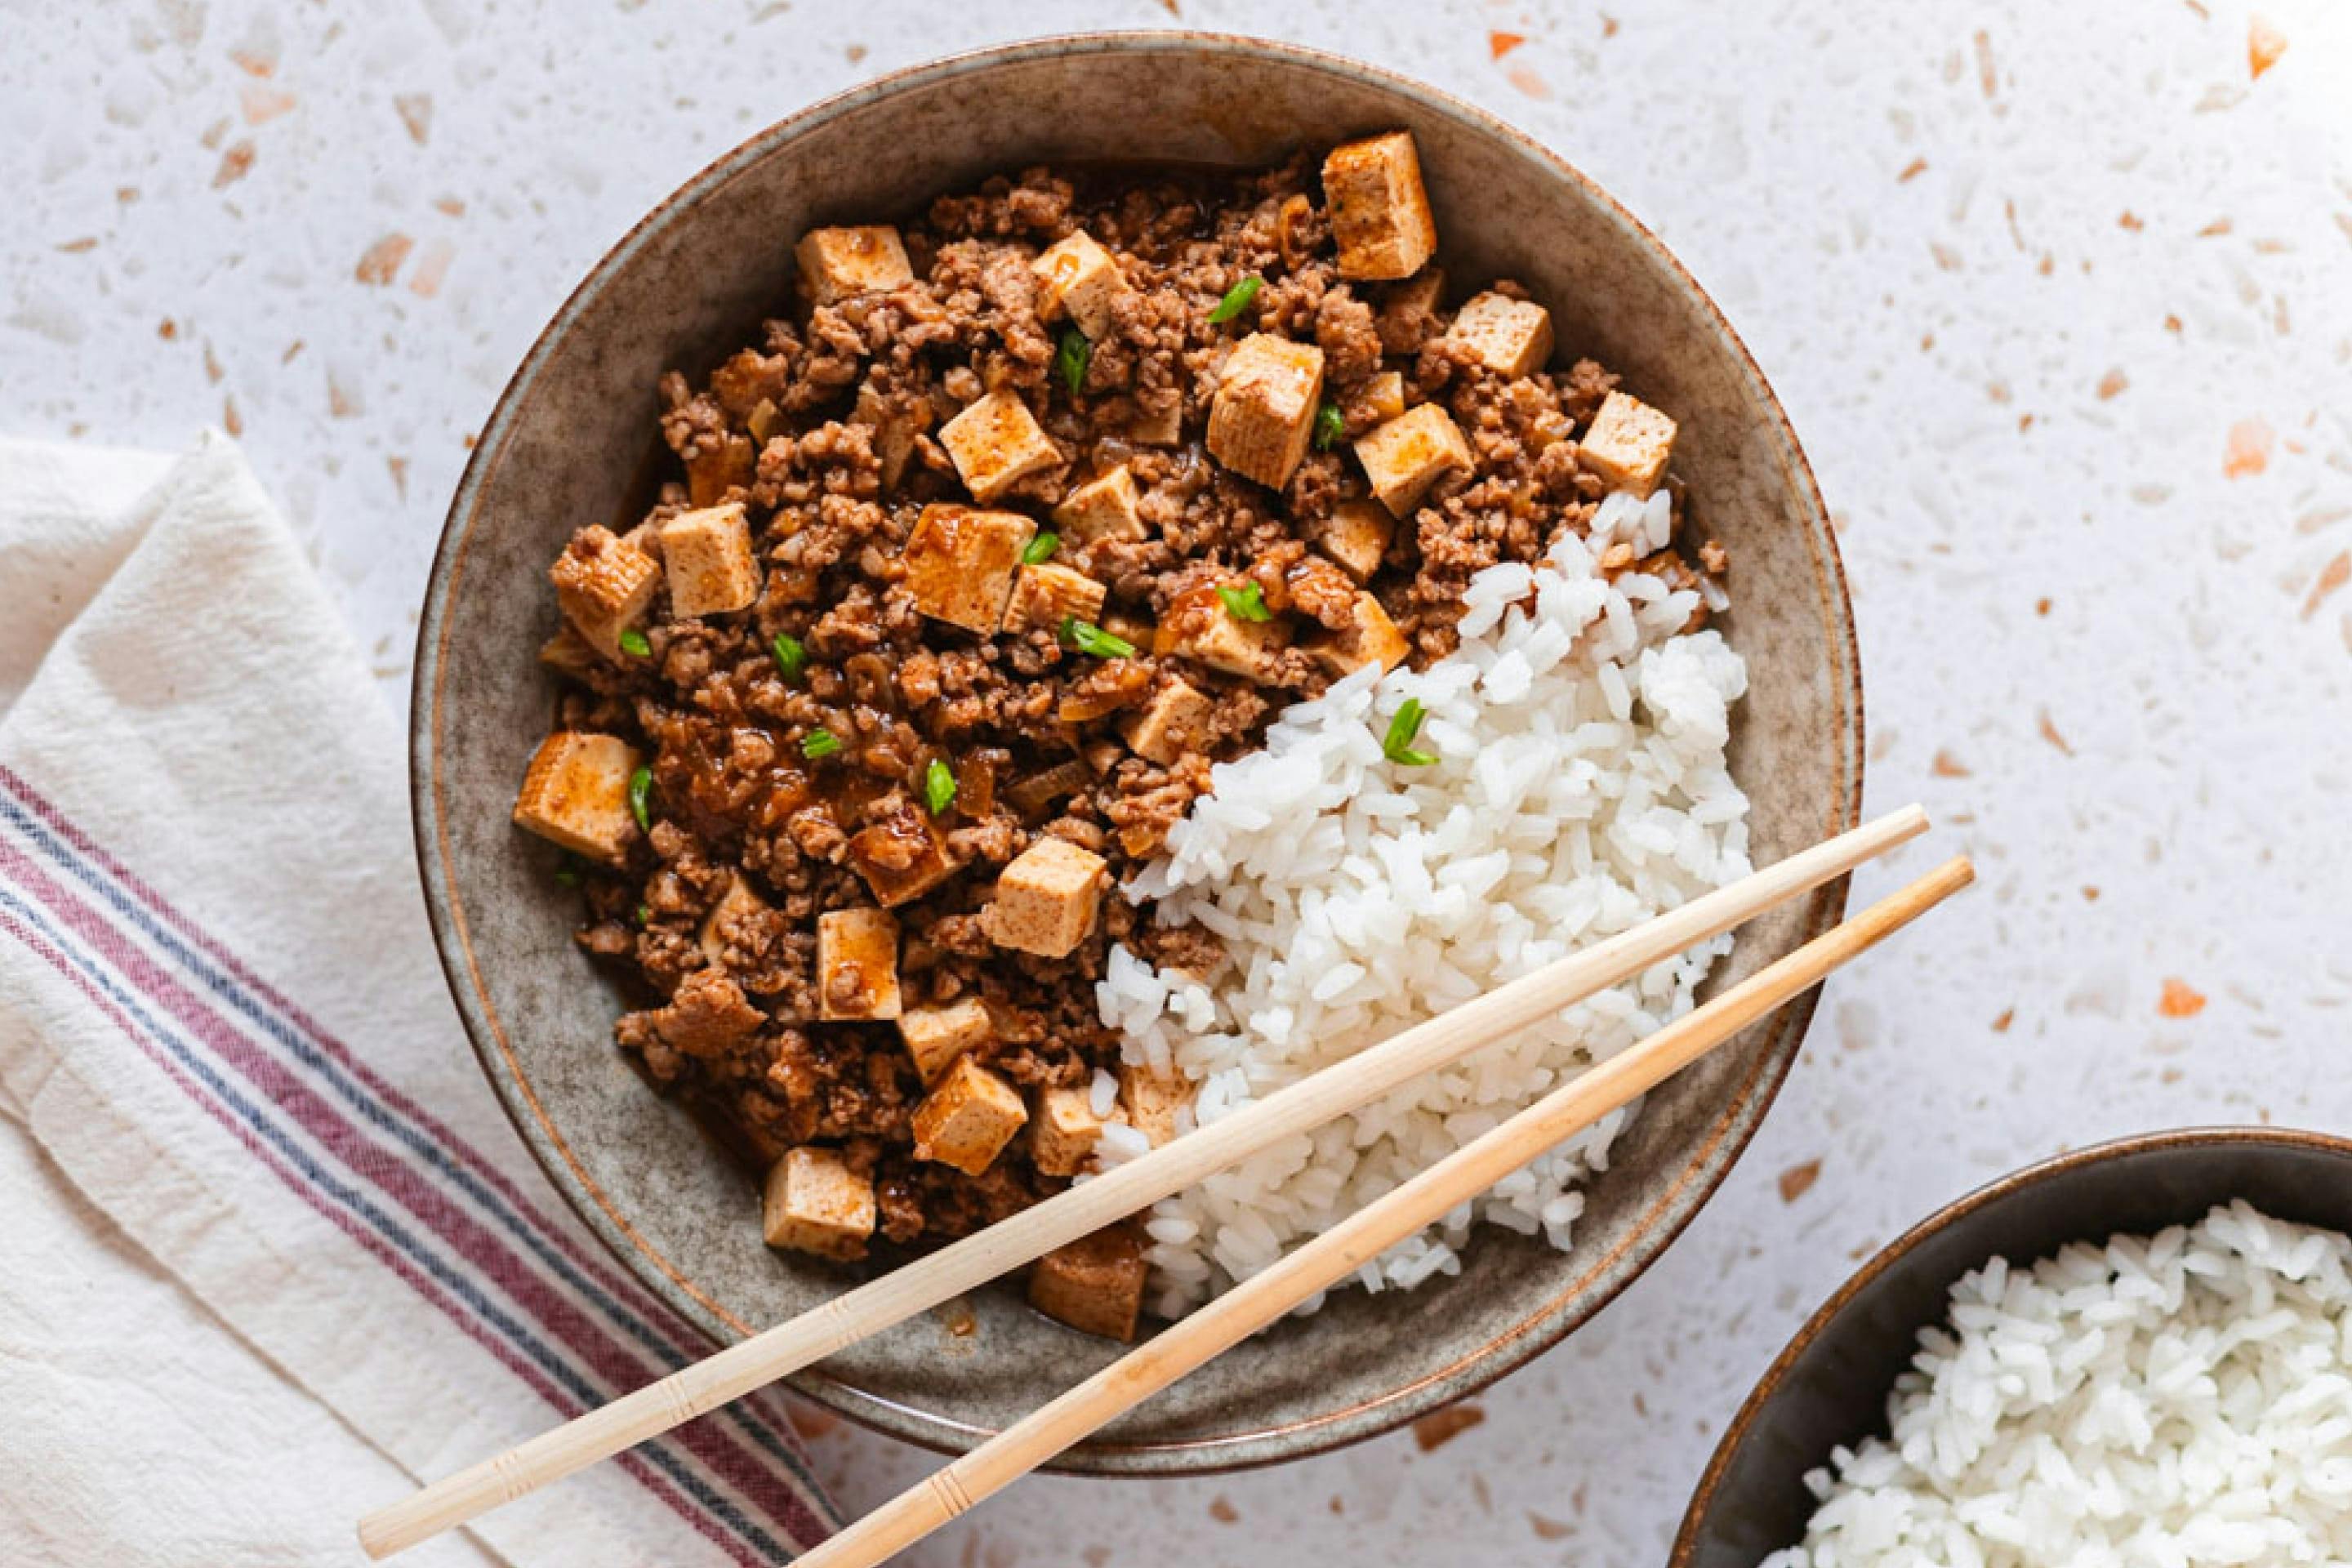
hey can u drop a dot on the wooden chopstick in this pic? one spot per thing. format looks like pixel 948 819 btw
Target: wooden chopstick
pixel 1459 1178
pixel 1121 1191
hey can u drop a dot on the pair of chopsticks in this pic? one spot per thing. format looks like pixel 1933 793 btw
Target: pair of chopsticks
pixel 1264 1297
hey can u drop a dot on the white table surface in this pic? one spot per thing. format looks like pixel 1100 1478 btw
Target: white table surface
pixel 2025 280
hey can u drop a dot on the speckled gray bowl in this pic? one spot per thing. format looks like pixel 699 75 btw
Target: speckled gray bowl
pixel 691 282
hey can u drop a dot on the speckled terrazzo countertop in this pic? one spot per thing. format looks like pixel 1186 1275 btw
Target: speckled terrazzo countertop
pixel 2061 304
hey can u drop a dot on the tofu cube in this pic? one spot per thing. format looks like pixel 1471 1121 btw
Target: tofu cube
pixel 1421 294
pixel 1357 536
pixel 1081 280
pixel 720 464
pixel 724 926
pixel 1264 413
pixel 576 794
pixel 901 855
pixel 815 1203
pixel 1628 444
pixel 1170 723
pixel 1370 638
pixel 967 1119
pixel 1404 457
pixel 1199 626
pixel 568 653
pixel 961 563
pixel 856 964
pixel 1095 1284
pixel 707 557
pixel 1063 1135
pixel 1043 595
pixel 1380 210
pixel 996 443
pixel 1150 1101
pixel 1509 337
pixel 896 422
pixel 1046 901
pixel 938 1037
pixel 603 584
pixel 1102 508
pixel 1129 628
pixel 1376 400
pixel 836 263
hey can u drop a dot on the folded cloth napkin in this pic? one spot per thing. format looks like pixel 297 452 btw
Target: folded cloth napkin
pixel 271 1254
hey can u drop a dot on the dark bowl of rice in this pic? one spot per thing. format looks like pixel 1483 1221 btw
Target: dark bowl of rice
pixel 2131 1352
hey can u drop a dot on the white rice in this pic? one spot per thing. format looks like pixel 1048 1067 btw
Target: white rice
pixel 2150 1402
pixel 1580 789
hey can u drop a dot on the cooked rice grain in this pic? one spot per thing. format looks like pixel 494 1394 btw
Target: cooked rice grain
pixel 1580 789
pixel 2167 1400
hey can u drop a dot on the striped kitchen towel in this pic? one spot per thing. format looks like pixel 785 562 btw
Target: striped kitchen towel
pixel 271 1254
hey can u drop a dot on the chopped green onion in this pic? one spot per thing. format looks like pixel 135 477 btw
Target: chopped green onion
pixel 938 787
pixel 641 794
pixel 1329 426
pixel 644 914
pixel 1238 300
pixel 634 643
pixel 568 874
pixel 1041 549
pixel 791 656
pixel 1070 358
pixel 1398 746
pixel 1244 602
pixel 819 743
pixel 1089 637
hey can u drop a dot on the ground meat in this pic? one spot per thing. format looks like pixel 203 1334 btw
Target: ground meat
pixel 1152 800
pixel 1320 591
pixel 1405 321
pixel 707 1014
pixel 1344 329
pixel 1192 949
pixel 797 751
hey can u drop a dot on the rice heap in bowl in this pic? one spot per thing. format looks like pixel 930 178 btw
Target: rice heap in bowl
pixel 1576 787
pixel 2184 1398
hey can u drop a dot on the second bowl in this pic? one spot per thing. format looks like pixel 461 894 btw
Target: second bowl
pixel 1829 1387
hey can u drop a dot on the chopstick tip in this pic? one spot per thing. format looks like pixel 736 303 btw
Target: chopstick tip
pixel 383 1534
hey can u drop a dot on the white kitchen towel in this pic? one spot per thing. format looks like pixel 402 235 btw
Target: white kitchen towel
pixel 271 1255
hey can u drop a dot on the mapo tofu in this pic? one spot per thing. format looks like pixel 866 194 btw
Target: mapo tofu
pixel 1022 514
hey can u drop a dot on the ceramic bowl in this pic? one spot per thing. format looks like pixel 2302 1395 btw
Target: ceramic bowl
pixel 575 429
pixel 1829 1386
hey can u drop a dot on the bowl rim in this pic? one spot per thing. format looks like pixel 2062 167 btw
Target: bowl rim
pixel 1569 1306
pixel 2004 1188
